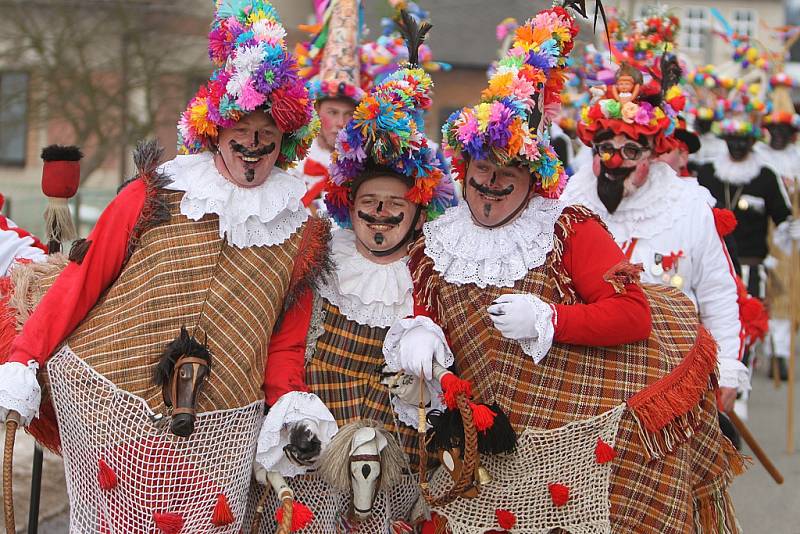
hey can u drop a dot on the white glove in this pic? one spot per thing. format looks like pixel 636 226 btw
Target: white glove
pixel 19 390
pixel 418 347
pixel 794 230
pixel 515 316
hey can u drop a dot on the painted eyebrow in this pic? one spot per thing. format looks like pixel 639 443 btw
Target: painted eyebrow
pixel 371 195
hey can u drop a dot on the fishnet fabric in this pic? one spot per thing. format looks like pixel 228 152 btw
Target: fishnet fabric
pixel 331 507
pixel 564 455
pixel 156 471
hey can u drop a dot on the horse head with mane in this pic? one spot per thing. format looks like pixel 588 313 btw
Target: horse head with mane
pixel 181 373
pixel 361 459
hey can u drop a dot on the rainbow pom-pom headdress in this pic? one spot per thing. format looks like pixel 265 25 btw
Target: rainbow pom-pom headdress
pixel 254 71
pixel 525 87
pixel 387 136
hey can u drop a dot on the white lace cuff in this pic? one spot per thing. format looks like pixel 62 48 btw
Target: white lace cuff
pixel 408 413
pixel 537 347
pixel 733 374
pixel 394 337
pixel 782 237
pixel 19 390
pixel 291 408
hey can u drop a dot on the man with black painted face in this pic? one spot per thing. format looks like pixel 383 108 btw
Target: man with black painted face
pixel 782 155
pixel 663 222
pixel 742 182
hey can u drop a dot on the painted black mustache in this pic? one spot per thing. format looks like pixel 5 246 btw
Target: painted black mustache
pixel 253 153
pixel 369 219
pixel 489 192
pixel 611 186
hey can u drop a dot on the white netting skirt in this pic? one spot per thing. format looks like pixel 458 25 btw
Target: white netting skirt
pixel 521 482
pixel 156 472
pixel 331 506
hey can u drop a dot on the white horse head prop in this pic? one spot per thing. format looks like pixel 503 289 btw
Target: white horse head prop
pixel 361 459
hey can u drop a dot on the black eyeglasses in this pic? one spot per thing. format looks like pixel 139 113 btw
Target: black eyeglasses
pixel 628 151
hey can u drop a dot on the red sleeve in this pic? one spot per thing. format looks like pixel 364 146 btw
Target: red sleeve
pixel 607 318
pixel 286 355
pixel 78 288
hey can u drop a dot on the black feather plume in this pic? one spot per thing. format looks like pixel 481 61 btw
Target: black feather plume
pixel 413 33
pixel 670 72
pixel 61 153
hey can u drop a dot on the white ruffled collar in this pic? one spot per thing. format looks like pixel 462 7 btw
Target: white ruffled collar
pixel 465 253
pixel 736 172
pixel 248 217
pixel 650 210
pixel 783 162
pixel 366 292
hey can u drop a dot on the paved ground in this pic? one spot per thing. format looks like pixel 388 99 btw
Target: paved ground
pixel 762 505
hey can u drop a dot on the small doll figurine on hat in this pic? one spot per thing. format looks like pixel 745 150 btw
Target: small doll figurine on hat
pixel 628 83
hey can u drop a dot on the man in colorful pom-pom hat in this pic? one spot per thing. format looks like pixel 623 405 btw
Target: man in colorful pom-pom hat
pixel 331 63
pixel 385 182
pixel 661 222
pixel 211 255
pixel 741 181
pixel 532 302
pixel 781 154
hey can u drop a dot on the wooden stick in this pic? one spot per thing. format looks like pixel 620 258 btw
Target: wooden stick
pixel 755 447
pixel 793 323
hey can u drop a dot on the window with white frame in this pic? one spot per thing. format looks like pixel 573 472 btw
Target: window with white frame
pixel 694 30
pixel 13 117
pixel 744 22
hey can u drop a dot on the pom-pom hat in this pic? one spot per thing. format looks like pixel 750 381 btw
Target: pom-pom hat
pixel 254 72
pixel 507 126
pixel 386 136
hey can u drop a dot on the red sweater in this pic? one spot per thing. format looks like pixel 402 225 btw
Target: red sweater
pixel 607 318
pixel 80 286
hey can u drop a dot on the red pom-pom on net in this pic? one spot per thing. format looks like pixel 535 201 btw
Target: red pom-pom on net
pixel 506 519
pixel 168 523
pixel 603 452
pixel 482 416
pixel 301 516
pixel 451 387
pixel 222 512
pixel 559 493
pixel 106 476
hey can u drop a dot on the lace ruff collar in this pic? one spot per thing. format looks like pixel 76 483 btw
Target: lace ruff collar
pixel 650 210
pixel 366 292
pixel 784 162
pixel 736 172
pixel 248 217
pixel 465 253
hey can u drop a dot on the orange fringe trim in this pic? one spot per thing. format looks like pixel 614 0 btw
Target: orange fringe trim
pixel 622 274
pixel 666 411
pixel 715 515
pixel 312 261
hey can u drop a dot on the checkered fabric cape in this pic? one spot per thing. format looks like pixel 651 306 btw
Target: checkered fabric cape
pixel 672 466
pixel 171 267
pixel 344 370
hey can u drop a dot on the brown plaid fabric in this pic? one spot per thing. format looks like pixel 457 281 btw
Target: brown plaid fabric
pixel 173 269
pixel 574 383
pixel 345 372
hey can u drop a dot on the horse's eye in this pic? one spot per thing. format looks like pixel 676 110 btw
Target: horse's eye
pixel 186 372
pixel 447 460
